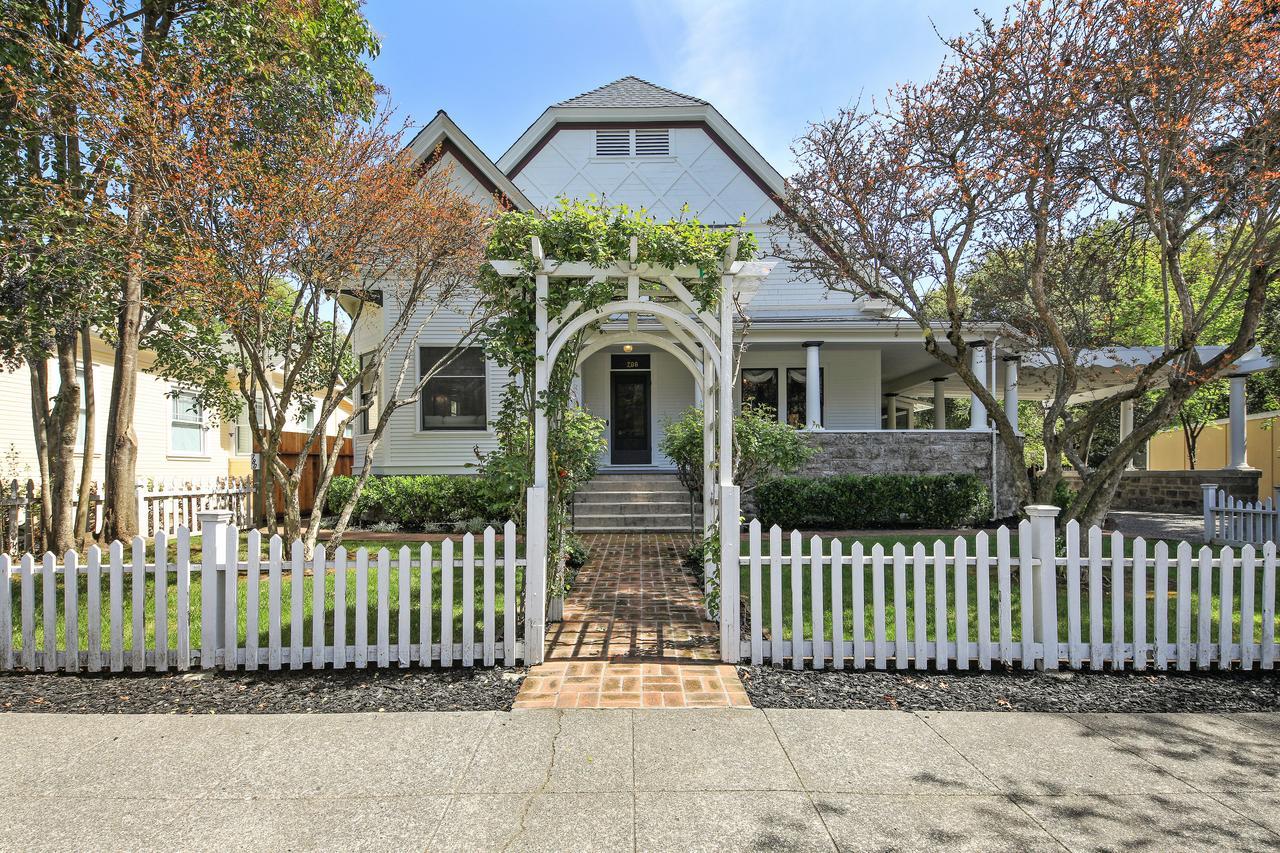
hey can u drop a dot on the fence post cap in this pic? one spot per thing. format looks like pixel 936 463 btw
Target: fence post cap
pixel 1208 487
pixel 1043 510
pixel 215 516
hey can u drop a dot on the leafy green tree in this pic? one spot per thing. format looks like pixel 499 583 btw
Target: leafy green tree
pixel 95 98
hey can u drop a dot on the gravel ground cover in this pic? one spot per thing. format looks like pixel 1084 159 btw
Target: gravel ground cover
pixel 1014 690
pixel 302 692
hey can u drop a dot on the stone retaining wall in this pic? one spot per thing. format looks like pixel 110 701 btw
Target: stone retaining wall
pixel 911 452
pixel 1177 491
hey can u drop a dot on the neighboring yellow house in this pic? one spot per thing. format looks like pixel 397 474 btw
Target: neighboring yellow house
pixel 1168 450
pixel 177 439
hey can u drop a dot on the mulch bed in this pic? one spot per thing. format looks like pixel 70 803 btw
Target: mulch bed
pixel 302 692
pixel 1014 690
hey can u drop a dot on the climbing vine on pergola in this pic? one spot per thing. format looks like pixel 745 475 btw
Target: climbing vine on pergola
pixel 585 277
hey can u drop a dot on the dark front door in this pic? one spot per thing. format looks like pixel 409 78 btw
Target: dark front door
pixel 630 419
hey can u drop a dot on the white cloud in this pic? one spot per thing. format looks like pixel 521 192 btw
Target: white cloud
pixel 726 52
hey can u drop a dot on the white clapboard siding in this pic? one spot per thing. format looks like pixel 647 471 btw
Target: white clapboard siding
pixel 1097 578
pixel 153 594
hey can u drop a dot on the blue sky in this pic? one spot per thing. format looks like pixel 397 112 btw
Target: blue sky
pixel 769 67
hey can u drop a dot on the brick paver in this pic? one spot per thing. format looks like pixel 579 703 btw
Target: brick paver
pixel 633 634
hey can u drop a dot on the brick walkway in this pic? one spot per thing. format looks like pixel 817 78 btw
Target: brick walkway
pixel 633 635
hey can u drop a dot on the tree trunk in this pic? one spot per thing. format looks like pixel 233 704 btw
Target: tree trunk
pixel 120 513
pixel 84 512
pixel 39 370
pixel 61 443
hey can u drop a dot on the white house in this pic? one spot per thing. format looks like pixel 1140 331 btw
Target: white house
pixel 840 367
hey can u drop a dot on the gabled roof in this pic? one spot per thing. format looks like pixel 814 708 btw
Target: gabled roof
pixel 632 92
pixel 443 136
pixel 636 103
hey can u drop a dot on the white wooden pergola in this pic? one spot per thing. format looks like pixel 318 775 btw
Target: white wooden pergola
pixel 699 339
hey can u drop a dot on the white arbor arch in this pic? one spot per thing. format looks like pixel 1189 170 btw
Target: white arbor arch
pixel 675 322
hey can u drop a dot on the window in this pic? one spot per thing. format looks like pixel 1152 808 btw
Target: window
pixel 641 142
pixel 309 420
pixel 368 396
pixel 244 429
pixel 186 427
pixel 82 421
pixel 760 387
pixel 796 380
pixel 455 397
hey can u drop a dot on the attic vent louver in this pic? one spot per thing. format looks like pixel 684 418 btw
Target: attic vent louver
pixel 653 142
pixel 648 142
pixel 613 143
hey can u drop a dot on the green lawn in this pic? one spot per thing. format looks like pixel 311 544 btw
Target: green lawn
pixel 263 588
pixel 973 604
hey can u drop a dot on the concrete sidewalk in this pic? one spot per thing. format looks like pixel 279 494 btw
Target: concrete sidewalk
pixel 730 779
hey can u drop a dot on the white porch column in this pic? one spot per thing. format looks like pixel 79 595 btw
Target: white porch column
pixel 911 414
pixel 1239 419
pixel 939 403
pixel 890 411
pixel 576 389
pixel 812 385
pixel 978 364
pixel 1011 363
pixel 1126 426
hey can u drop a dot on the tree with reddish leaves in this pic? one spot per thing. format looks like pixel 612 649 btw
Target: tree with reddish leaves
pixel 1066 135
pixel 288 247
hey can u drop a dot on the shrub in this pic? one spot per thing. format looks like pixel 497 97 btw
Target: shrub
pixel 853 502
pixel 423 501
pixel 762 447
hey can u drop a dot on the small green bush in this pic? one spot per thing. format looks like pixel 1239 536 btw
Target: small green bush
pixel 422 502
pixel 853 502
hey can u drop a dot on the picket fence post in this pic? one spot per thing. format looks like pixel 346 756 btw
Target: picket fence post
pixel 1208 492
pixel 1045 581
pixel 140 496
pixel 213 595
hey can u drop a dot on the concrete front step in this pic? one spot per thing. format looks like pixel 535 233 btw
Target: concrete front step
pixel 675 520
pixel 619 484
pixel 631 528
pixel 634 501
pixel 609 502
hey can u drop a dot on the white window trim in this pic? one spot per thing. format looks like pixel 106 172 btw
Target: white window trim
pixel 171 453
pixel 488 407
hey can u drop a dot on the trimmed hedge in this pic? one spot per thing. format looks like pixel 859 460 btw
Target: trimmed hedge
pixel 421 502
pixel 853 502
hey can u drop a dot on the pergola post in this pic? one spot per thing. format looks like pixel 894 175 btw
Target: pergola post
pixel 536 511
pixel 708 462
pixel 729 536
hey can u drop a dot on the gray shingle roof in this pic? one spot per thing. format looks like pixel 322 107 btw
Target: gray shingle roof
pixel 632 92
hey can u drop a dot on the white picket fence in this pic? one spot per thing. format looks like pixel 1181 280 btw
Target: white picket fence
pixel 1237 522
pixel 1126 606
pixel 162 506
pixel 366 609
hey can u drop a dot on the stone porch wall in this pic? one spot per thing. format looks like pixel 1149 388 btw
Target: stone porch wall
pixel 911 452
pixel 1177 491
